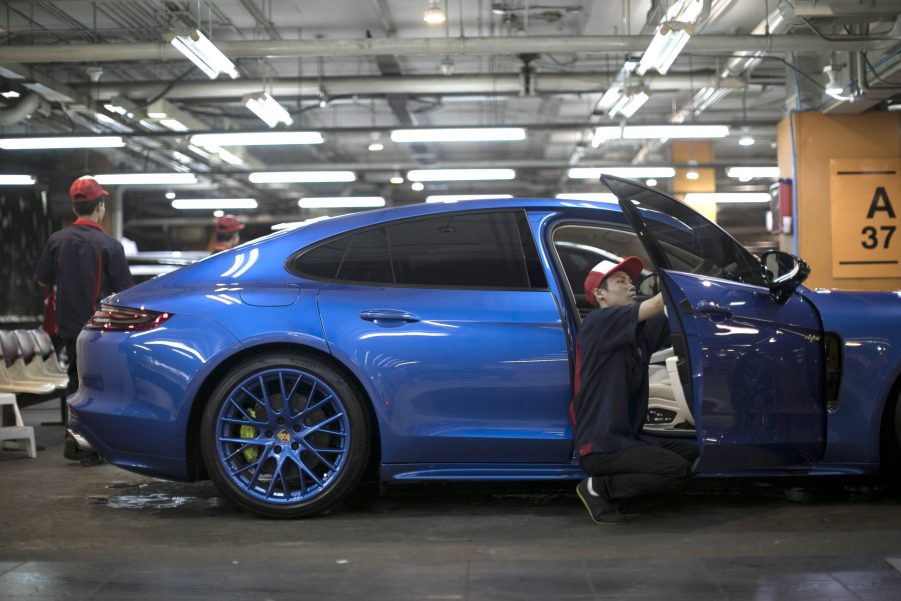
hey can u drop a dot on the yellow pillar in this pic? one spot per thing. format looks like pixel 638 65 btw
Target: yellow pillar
pixel 848 183
pixel 695 151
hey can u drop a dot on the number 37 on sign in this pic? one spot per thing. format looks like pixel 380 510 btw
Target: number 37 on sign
pixel 866 217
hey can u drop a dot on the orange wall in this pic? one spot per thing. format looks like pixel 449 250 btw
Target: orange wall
pixel 819 138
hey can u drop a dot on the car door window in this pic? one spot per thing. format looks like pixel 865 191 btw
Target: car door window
pixel 472 250
pixel 367 259
pixel 688 242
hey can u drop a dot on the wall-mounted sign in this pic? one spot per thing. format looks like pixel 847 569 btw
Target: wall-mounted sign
pixel 866 216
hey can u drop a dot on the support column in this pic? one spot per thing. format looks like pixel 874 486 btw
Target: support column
pixel 697 152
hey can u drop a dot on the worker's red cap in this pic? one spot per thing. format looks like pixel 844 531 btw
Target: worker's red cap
pixel 228 225
pixel 86 188
pixel 631 265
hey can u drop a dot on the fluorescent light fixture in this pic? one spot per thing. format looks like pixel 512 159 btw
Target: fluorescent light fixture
pixel 173 124
pixel 203 53
pixel 651 132
pixel 461 134
pixel 396 179
pixel 417 186
pixel 692 174
pixel 651 182
pixel 170 195
pixel 228 156
pixel 115 108
pixel 267 108
pixel 458 197
pixel 633 172
pixel 376 146
pixel 292 177
pixel 729 197
pixel 602 196
pixel 258 138
pixel 746 140
pixel 62 142
pixel 629 103
pixel 434 14
pixel 833 88
pixel 218 213
pixel 675 28
pixel 157 115
pixel 341 202
pixel 214 203
pixel 151 179
pixel 453 175
pixel 10 94
pixel 748 173
pixel 16 180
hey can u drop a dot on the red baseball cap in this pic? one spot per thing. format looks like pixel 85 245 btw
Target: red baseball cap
pixel 86 188
pixel 227 224
pixel 631 265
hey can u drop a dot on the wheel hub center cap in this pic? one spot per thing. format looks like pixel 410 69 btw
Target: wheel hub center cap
pixel 283 436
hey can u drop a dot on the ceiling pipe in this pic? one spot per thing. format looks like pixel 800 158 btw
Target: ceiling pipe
pixel 330 48
pixel 503 84
pixel 26 105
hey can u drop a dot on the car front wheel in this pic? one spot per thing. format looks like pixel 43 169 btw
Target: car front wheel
pixel 285 436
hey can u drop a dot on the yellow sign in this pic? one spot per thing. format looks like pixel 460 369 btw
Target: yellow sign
pixel 866 217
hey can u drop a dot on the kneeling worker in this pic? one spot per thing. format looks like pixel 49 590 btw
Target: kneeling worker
pixel 610 404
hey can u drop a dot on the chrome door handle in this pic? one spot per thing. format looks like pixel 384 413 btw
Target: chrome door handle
pixel 388 315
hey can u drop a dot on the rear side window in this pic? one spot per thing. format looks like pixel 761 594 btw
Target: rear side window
pixel 473 250
pixel 323 261
pixel 367 259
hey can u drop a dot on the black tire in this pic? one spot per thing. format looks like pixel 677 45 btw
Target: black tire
pixel 228 465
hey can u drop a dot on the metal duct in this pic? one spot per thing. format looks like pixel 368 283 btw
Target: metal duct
pixel 424 47
pixel 26 105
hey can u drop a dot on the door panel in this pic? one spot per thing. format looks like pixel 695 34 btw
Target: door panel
pixel 756 365
pixel 461 375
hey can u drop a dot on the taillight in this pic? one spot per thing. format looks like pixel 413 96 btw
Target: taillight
pixel 125 319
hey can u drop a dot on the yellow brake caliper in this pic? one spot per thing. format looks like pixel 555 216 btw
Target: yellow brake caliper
pixel 250 453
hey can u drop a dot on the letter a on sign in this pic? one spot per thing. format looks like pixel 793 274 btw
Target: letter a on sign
pixel 865 240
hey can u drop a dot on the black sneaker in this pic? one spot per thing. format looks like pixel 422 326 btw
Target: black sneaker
pixel 600 507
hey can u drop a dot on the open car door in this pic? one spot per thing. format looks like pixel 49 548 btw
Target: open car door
pixel 751 367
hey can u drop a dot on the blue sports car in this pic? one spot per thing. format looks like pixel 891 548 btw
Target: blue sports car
pixel 435 342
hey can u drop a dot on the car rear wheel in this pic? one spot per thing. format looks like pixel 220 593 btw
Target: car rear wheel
pixel 285 436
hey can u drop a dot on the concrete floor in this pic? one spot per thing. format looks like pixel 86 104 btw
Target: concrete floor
pixel 68 531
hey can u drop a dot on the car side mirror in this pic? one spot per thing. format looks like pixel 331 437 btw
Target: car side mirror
pixel 782 273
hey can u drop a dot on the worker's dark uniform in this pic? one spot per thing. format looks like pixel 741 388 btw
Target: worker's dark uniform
pixel 86 265
pixel 611 402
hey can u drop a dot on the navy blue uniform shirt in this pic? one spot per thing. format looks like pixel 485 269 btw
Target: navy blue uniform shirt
pixel 87 265
pixel 611 382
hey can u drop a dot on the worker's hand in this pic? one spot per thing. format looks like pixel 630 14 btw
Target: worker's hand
pixel 651 308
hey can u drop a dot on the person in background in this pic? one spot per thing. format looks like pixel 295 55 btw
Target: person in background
pixel 83 264
pixel 228 233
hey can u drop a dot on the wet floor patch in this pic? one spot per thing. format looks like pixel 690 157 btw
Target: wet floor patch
pixel 161 495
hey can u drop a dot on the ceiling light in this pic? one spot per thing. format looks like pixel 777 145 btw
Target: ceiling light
pixel 341 202
pixel 214 203
pixel 748 173
pixel 746 140
pixel 258 138
pixel 833 88
pixel 602 196
pixel 170 195
pixel 10 94
pixel 228 156
pixel 463 134
pixel 651 182
pixel 692 174
pixel 267 108
pixel 633 172
pixel 376 146
pixel 151 179
pixel 729 197
pixel 17 180
pixel 173 124
pixel 629 103
pixel 659 132
pixel 457 197
pixel 434 14
pixel 396 179
pixel 61 142
pixel 675 28
pixel 452 175
pixel 203 53
pixel 293 177
pixel 417 186
pixel 219 213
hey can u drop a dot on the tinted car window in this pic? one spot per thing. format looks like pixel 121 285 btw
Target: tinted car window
pixel 367 259
pixel 480 250
pixel 323 261
pixel 689 242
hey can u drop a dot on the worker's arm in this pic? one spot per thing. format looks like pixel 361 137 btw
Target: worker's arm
pixel 651 307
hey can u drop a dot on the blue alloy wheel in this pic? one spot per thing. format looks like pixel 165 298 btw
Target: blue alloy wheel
pixel 285 436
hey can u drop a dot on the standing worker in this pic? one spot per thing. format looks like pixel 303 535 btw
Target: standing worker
pixel 610 405
pixel 228 233
pixel 85 264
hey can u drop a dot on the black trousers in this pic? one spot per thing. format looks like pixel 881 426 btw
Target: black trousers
pixel 643 469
